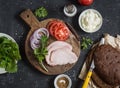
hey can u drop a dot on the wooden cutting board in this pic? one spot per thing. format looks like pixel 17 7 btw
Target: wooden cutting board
pixel 31 20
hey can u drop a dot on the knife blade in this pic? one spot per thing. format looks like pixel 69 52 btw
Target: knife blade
pixel 92 65
pixel 73 31
pixel 89 74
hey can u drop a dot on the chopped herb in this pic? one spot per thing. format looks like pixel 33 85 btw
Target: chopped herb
pixel 9 55
pixel 42 51
pixel 41 12
pixel 86 42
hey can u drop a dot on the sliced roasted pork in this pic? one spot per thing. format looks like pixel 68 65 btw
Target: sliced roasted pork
pixel 60 53
pixel 59 44
pixel 113 41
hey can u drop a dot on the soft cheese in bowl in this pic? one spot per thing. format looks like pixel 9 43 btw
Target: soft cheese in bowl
pixel 90 20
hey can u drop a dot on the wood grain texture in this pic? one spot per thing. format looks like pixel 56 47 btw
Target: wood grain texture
pixel 30 19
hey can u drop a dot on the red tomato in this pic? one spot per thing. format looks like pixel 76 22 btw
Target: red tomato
pixel 58 30
pixel 51 23
pixel 61 33
pixel 52 28
pixel 85 2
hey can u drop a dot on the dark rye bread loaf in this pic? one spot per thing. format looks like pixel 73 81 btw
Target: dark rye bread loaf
pixel 107 64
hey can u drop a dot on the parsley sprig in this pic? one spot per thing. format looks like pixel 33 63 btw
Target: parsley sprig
pixel 41 12
pixel 41 52
pixel 86 42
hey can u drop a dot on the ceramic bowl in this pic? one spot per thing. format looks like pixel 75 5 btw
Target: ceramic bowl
pixel 88 17
pixel 2 70
pixel 60 76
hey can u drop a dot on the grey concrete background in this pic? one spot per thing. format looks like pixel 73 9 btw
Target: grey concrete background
pixel 10 23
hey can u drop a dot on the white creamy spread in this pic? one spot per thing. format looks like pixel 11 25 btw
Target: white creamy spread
pixel 90 20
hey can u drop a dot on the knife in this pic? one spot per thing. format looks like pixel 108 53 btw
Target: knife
pixel 73 31
pixel 89 74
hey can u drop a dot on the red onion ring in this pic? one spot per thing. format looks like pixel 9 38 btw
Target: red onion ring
pixel 43 30
pixel 34 43
pixel 35 38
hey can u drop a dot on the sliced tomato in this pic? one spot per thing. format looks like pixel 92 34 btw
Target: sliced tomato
pixel 52 28
pixel 62 33
pixel 50 23
pixel 58 29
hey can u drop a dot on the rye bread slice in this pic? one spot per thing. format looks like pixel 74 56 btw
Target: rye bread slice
pixel 95 77
pixel 107 62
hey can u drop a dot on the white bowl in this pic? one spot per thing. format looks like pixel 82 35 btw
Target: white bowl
pixel 90 20
pixel 2 70
pixel 70 14
pixel 60 76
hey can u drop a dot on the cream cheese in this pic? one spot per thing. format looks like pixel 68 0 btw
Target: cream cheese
pixel 90 20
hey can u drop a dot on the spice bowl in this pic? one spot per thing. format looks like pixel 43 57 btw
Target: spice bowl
pixel 62 81
pixel 90 20
pixel 70 10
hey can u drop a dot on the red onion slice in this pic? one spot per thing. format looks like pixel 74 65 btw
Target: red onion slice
pixel 34 43
pixel 42 31
pixel 35 38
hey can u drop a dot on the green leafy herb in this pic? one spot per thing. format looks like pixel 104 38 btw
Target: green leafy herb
pixel 41 12
pixel 42 51
pixel 86 42
pixel 9 55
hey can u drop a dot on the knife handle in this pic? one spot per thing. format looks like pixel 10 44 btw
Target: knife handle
pixel 87 79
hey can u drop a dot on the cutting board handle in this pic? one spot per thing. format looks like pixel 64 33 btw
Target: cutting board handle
pixel 30 19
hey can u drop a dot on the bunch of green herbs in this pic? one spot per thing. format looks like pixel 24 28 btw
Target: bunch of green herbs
pixel 86 42
pixel 41 12
pixel 42 51
pixel 9 55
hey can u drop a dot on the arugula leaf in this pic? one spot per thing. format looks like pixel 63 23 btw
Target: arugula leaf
pixel 41 12
pixel 42 51
pixel 9 55
pixel 86 42
pixel 11 67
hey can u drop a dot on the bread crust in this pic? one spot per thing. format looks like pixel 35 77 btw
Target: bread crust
pixel 96 77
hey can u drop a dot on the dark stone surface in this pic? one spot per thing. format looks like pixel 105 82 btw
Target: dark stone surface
pixel 12 24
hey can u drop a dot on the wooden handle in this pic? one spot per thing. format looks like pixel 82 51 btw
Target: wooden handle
pixel 30 19
pixel 85 84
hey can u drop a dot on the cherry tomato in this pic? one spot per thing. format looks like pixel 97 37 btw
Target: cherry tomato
pixel 85 2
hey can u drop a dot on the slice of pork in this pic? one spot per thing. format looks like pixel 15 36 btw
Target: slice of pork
pixel 60 53
pixel 113 41
pixel 59 44
pixel 61 56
